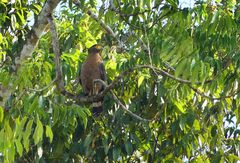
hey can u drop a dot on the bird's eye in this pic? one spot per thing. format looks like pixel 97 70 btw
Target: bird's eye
pixel 98 47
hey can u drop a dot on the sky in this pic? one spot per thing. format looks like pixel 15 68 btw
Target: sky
pixel 186 3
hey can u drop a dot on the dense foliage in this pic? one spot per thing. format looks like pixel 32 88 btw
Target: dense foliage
pixel 194 107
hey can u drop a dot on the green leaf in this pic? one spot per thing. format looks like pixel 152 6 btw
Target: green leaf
pixel 109 16
pixel 140 80
pixel 116 153
pixel 111 67
pixel 49 133
pixel 188 151
pixel 180 106
pixel 13 21
pixel 88 140
pixel 217 157
pixel 196 125
pixel 2 137
pixel 21 17
pixel 83 115
pixel 106 146
pixel 1 38
pixel 19 147
pixel 202 74
pixel 233 158
pixel 182 124
pixel 33 106
pixel 148 3
pixel 195 71
pixel 38 133
pixel 128 147
pixel 173 3
pixel 1 114
pixel 89 43
pixel 8 131
pixel 180 68
pixel 36 8
pixel 213 130
pixel 27 134
pixel 19 127
pixel 56 114
pixel 10 153
pixel 70 4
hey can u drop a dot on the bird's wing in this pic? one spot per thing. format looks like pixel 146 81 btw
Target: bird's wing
pixel 80 74
pixel 102 72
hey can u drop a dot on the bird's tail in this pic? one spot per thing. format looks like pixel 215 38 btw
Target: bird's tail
pixel 97 108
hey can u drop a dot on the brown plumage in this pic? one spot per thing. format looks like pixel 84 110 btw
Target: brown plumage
pixel 92 69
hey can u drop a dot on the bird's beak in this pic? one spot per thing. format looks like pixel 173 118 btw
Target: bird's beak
pixel 99 47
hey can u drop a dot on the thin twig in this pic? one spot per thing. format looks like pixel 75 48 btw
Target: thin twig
pixel 189 83
pixel 121 104
pixel 44 88
pixel 210 96
pixel 167 65
pixel 56 49
pixel 131 113
pixel 105 27
pixel 164 73
pixel 102 24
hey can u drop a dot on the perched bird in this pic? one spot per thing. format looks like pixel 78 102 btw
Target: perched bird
pixel 92 69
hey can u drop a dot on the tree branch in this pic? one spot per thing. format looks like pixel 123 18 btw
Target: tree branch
pixel 37 31
pixel 44 88
pixel 31 43
pixel 122 105
pixel 56 49
pixel 105 27
pixel 189 83
pixel 164 73
pixel 210 96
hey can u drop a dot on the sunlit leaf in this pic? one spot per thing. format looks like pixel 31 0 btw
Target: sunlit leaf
pixel 19 147
pixel 181 68
pixel 19 127
pixel 38 133
pixel 21 17
pixel 196 125
pixel 180 106
pixel 49 133
pixel 13 21
pixel 233 157
pixel 140 80
pixel 1 114
pixel 27 134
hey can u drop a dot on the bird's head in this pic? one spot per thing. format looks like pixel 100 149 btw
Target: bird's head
pixel 95 49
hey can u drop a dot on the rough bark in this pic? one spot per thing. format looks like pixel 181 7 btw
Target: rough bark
pixel 37 31
pixel 31 42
